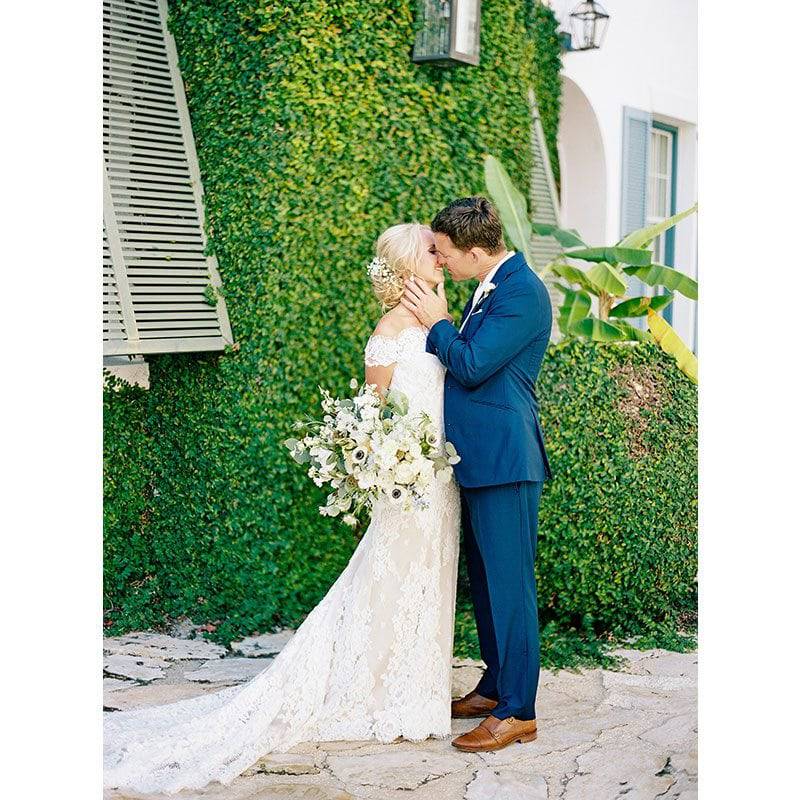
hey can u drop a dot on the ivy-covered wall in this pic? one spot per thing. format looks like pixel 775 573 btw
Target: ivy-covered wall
pixel 314 132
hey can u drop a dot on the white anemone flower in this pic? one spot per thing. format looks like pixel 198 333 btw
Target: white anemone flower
pixel 398 495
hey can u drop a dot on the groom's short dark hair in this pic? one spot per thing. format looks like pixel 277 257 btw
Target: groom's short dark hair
pixel 471 222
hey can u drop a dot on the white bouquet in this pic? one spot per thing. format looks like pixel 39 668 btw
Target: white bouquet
pixel 369 447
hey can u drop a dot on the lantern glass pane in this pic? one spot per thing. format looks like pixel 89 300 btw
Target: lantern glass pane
pixel 433 38
pixel 466 40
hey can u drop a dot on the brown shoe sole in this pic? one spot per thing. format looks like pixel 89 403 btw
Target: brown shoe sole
pixel 528 737
pixel 472 716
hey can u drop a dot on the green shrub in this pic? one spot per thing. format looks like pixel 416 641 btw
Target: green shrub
pixel 618 524
pixel 314 132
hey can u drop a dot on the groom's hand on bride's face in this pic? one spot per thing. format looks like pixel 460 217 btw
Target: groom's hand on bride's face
pixel 428 307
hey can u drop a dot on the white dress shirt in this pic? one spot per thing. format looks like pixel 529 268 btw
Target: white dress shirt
pixel 483 285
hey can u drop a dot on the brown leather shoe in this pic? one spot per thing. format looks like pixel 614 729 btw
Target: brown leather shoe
pixel 494 734
pixel 471 705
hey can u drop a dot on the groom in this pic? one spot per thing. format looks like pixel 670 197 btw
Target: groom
pixel 491 416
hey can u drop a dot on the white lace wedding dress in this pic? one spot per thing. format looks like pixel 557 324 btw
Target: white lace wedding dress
pixel 371 661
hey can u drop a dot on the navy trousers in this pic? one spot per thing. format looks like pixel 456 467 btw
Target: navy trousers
pixel 500 528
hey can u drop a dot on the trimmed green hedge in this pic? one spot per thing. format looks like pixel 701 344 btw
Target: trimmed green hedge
pixel 314 132
pixel 618 524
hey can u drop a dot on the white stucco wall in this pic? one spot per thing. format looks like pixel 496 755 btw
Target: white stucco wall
pixel 648 61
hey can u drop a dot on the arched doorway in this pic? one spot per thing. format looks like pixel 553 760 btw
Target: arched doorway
pixel 583 166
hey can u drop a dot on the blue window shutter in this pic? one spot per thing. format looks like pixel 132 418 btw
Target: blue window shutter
pixel 635 150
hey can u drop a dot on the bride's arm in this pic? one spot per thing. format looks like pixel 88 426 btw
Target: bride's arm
pixel 381 354
pixel 379 375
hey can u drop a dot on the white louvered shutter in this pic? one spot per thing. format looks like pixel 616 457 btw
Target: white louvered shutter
pixel 544 198
pixel 155 273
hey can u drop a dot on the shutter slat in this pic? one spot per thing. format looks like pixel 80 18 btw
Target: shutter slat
pixel 137 282
pixel 137 130
pixel 177 333
pixel 154 291
pixel 184 344
pixel 162 188
pixel 156 249
pixel 120 98
pixel 128 144
pixel 174 298
pixel 166 263
pixel 190 238
pixel 177 225
pixel 171 308
pixel 120 161
pixel 200 314
pixel 119 174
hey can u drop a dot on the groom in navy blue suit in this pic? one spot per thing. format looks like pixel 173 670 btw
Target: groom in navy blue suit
pixel 492 417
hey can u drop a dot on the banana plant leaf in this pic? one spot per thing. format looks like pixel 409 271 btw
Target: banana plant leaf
pixel 510 204
pixel 633 333
pixel 599 330
pixel 637 306
pixel 613 255
pixel 608 278
pixel 671 343
pixel 644 236
pixel 575 275
pixel 662 275
pixel 576 306
pixel 566 237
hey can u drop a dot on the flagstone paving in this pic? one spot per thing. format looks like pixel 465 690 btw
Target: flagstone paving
pixel 603 735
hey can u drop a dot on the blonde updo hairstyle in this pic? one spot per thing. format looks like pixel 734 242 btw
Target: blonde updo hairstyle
pixel 402 248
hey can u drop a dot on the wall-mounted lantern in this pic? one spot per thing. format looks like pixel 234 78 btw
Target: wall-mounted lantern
pixel 450 32
pixel 588 23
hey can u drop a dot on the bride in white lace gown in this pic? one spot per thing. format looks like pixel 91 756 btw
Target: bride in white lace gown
pixel 372 660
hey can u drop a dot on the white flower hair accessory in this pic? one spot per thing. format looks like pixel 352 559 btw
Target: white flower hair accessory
pixel 378 269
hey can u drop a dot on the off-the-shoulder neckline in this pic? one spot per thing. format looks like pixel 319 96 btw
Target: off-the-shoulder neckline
pixel 404 331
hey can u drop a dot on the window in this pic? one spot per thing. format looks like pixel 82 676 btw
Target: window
pixel 649 162
pixel 661 193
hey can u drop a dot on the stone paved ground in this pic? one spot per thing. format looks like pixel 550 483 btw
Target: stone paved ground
pixel 603 735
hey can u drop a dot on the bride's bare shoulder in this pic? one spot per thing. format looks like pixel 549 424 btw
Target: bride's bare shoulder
pixel 394 322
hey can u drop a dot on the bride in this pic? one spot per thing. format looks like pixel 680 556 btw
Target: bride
pixel 372 660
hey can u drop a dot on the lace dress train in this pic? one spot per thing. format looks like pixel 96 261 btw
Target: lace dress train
pixel 371 661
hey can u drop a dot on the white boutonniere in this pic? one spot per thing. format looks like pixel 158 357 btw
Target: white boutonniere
pixel 488 289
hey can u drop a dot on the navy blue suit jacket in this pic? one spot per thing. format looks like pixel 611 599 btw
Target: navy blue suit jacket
pixel 491 412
